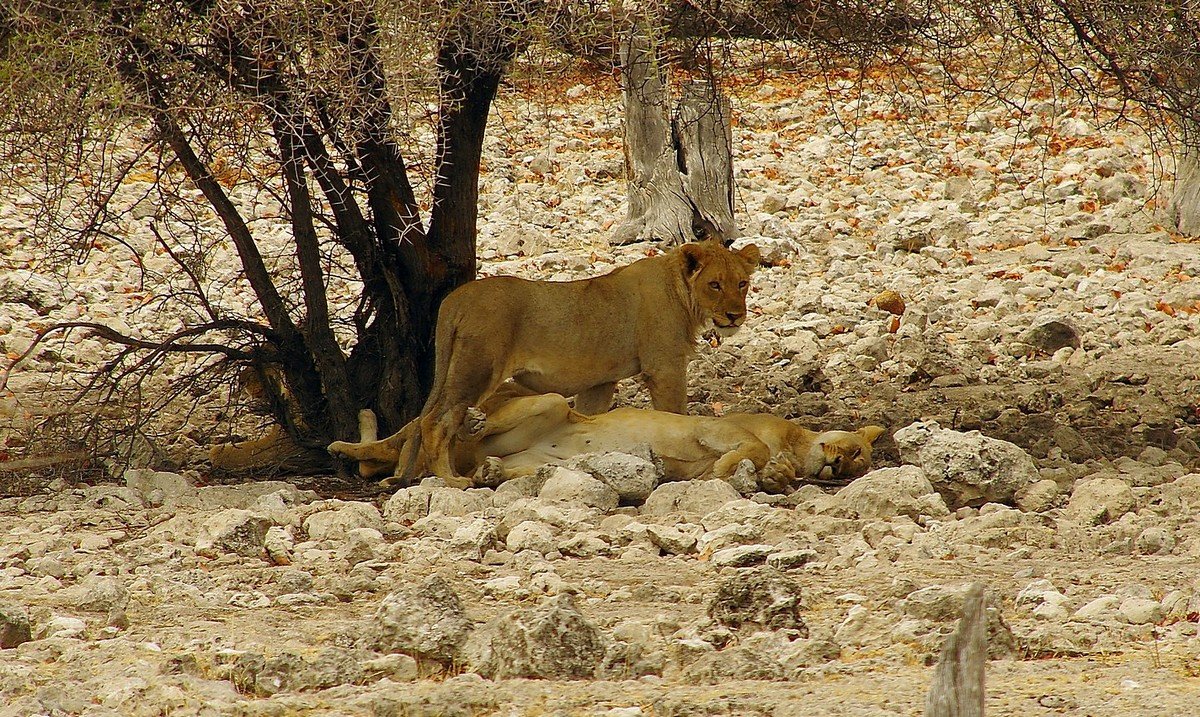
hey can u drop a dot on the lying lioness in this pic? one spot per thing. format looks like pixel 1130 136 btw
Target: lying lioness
pixel 522 434
pixel 577 338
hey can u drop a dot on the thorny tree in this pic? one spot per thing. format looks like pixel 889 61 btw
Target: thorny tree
pixel 1142 52
pixel 258 101
pixel 223 109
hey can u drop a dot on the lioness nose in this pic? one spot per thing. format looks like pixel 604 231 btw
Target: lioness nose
pixel 734 317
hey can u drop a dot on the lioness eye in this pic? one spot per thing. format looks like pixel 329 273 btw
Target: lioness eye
pixel 742 285
pixel 715 285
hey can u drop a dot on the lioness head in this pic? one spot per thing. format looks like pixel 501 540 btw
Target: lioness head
pixel 719 279
pixel 847 455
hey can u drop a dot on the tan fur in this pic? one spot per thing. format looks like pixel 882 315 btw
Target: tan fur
pixel 577 338
pixel 528 432
pixel 274 451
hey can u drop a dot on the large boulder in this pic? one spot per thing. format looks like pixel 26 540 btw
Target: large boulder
pixel 551 641
pixel 944 603
pixel 473 539
pixel 1100 500
pixel 578 488
pixel 424 620
pixel 761 597
pixel 1050 335
pixel 531 535
pixel 335 524
pixel 158 487
pixel 236 531
pixel 21 286
pixel 885 493
pixel 632 477
pixel 455 502
pixel 967 469
pixel 1182 495
pixel 14 626
pixel 698 497
pixel 98 593
pixel 408 504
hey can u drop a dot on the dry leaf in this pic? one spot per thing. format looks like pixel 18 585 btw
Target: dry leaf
pixel 889 301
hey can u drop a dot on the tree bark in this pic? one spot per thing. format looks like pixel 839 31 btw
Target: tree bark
pixel 394 356
pixel 703 128
pixel 1183 210
pixel 320 342
pixel 958 679
pixel 679 165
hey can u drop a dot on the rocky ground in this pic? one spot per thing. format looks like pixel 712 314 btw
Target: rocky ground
pixel 1039 304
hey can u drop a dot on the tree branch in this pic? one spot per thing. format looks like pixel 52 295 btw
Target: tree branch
pixel 323 345
pixel 171 344
pixel 255 269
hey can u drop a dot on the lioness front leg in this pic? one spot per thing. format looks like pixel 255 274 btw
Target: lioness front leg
pixel 779 474
pixel 754 450
pixel 668 388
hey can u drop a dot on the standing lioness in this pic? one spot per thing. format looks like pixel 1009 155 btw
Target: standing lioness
pixel 577 338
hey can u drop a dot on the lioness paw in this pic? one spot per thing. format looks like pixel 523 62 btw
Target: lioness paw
pixel 473 422
pixel 393 481
pixel 490 473
pixel 778 475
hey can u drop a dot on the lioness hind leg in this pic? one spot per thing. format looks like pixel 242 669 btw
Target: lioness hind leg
pixel 597 399
pixel 436 435
pixel 518 424
pixel 468 367
pixel 374 457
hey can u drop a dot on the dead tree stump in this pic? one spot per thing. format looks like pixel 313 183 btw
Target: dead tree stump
pixel 678 163
pixel 1183 210
pixel 957 689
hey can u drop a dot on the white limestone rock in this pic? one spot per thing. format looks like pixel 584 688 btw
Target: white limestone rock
pixel 885 493
pixel 966 468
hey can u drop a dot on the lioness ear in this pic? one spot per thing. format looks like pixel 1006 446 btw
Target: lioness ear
pixel 870 433
pixel 750 255
pixel 693 258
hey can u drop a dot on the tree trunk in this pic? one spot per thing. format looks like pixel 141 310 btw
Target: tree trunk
pixel 704 141
pixel 1183 211
pixel 958 679
pixel 392 364
pixel 679 168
